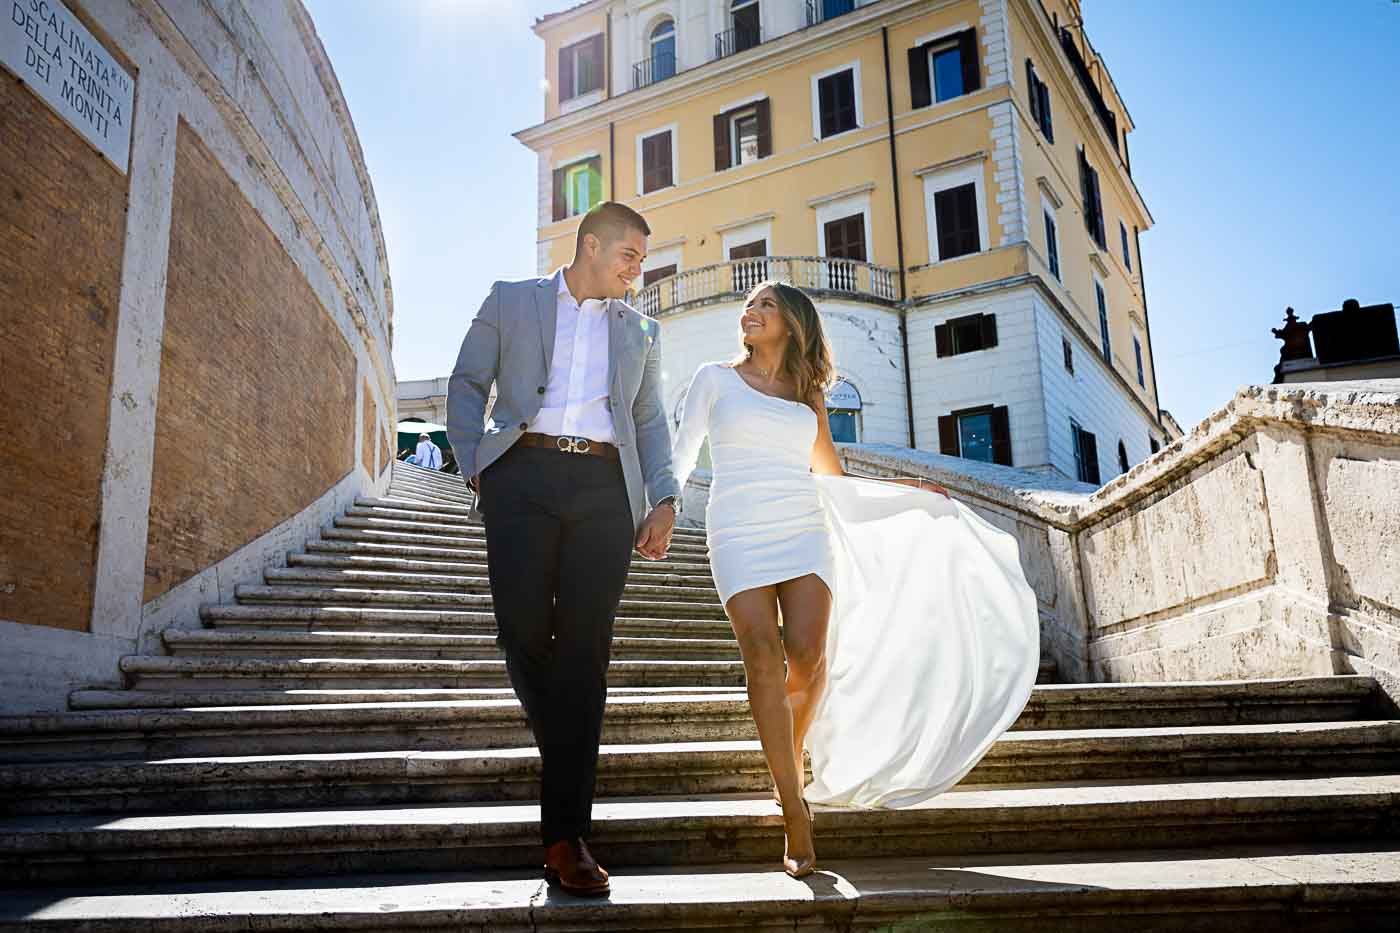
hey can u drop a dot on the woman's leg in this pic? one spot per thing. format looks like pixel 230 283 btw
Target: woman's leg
pixel 754 616
pixel 806 609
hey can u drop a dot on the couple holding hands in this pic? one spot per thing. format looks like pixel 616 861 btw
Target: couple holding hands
pixel 885 628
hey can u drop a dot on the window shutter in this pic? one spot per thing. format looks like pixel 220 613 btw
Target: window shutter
pixel 663 168
pixel 1098 209
pixel 989 330
pixel 566 73
pixel 1046 116
pixel 948 435
pixel 721 142
pixel 919 86
pixel 599 62
pixel 763 110
pixel 971 67
pixel 1033 91
pixel 943 340
pixel 561 204
pixel 1084 190
pixel 1001 435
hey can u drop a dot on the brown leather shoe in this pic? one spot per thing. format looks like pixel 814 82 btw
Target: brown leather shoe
pixel 569 866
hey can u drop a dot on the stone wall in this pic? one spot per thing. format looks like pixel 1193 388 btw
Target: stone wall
pixel 199 331
pixel 1264 543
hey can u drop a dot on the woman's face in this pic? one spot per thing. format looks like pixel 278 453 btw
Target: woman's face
pixel 762 323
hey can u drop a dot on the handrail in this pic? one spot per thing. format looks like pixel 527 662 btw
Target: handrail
pixel 822 274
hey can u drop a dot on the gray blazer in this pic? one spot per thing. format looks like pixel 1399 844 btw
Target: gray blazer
pixel 511 343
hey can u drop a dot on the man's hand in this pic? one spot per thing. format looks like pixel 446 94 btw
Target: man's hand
pixel 654 537
pixel 474 483
pixel 931 486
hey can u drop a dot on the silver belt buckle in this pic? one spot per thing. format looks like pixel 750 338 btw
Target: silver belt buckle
pixel 573 445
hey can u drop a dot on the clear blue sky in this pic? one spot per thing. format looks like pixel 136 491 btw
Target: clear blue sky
pixel 1267 149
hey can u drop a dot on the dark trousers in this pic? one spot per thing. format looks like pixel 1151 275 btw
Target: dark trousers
pixel 559 542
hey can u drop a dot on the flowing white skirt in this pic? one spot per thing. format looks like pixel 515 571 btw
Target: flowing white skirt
pixel 932 650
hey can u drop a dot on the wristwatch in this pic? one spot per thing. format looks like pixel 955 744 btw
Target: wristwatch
pixel 674 502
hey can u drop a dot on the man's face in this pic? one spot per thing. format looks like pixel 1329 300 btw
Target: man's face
pixel 620 261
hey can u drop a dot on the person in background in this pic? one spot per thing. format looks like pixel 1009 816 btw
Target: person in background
pixel 428 454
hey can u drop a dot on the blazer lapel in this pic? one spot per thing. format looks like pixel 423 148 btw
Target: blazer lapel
pixel 617 327
pixel 547 304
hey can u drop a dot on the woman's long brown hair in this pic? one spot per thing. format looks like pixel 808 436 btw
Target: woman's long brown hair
pixel 807 358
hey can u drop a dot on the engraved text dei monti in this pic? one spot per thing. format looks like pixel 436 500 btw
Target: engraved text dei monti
pixel 48 49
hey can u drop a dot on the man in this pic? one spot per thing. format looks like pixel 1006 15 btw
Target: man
pixel 429 454
pixel 576 445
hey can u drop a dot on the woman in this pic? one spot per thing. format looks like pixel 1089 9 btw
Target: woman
pixel 908 639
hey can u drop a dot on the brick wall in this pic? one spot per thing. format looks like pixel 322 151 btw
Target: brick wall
pixel 256 410
pixel 62 226
pixel 371 425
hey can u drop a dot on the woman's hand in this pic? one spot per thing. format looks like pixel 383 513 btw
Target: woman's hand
pixel 931 486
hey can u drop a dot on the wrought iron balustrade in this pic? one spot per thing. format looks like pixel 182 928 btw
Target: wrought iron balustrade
pixel 736 40
pixel 819 11
pixel 654 69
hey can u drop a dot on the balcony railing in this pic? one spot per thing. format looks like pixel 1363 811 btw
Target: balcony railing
pixel 1081 70
pixel 732 279
pixel 654 69
pixel 736 40
pixel 819 11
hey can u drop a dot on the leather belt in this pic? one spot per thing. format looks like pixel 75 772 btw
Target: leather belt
pixel 571 445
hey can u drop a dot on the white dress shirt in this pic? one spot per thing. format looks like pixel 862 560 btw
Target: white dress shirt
pixel 576 396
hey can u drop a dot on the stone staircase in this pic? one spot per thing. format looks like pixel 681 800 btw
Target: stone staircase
pixel 345 732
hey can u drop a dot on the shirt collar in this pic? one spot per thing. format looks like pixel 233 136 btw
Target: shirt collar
pixel 562 289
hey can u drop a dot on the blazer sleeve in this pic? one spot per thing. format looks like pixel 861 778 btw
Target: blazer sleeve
pixel 469 386
pixel 653 433
pixel 695 423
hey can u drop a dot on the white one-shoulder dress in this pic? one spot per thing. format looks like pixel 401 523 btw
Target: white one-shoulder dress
pixel 933 644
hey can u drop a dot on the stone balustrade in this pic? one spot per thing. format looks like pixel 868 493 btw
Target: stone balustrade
pixel 727 280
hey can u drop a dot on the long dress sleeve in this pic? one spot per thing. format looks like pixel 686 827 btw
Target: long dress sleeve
pixel 695 424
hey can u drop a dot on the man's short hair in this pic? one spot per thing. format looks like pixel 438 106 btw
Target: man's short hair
pixel 609 221
pixel 425 437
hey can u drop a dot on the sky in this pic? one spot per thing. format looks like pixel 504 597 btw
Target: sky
pixel 1267 149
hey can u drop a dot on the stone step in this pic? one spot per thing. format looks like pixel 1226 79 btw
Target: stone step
pixel 153 672
pixel 414 495
pixel 203 701
pixel 339 721
pixel 287 594
pixel 641 572
pixel 681 766
pixel 467 534
pixel 434 513
pixel 393 556
pixel 256 617
pixel 670 587
pixel 350 644
pixel 357 722
pixel 1258 889
pixel 86 848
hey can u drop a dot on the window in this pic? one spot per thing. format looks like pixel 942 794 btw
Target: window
pixel 956 210
pixel 657 167
pixel 663 51
pixel 1122 457
pixel 652 276
pixel 843 412
pixel 1092 200
pixel 965 334
pixel 743 135
pixel 580 68
pixel 745 28
pixel 982 433
pixel 1039 93
pixel 845 239
pixel 1052 243
pixel 1068 353
pixel 822 10
pixel 1127 255
pixel 1152 442
pixel 1086 454
pixel 944 68
pixel 1103 323
pixel 836 103
pixel 578 187
pixel 1137 355
pixel 748 274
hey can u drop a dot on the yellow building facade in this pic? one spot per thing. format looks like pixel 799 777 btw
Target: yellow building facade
pixel 949 179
